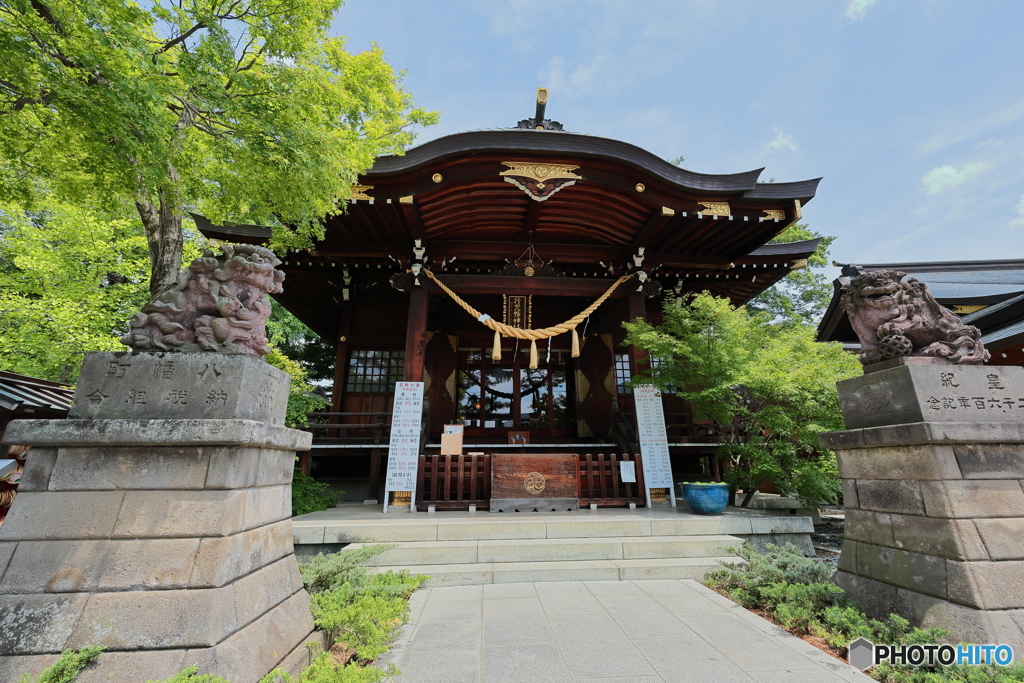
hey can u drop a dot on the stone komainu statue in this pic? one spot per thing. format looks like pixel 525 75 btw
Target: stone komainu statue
pixel 893 318
pixel 218 304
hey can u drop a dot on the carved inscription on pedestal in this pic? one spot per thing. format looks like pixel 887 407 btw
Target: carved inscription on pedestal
pixel 180 386
pixel 934 393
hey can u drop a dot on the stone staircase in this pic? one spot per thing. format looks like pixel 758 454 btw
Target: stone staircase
pixel 486 549
pixel 609 544
pixel 517 560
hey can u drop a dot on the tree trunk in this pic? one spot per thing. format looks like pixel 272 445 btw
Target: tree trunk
pixel 163 222
pixel 163 233
pixel 749 495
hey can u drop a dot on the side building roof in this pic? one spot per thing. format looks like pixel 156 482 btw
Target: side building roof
pixel 988 294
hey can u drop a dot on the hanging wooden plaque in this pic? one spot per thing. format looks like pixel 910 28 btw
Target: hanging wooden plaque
pixel 518 311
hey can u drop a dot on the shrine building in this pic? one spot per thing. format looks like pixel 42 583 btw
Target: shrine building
pixel 529 226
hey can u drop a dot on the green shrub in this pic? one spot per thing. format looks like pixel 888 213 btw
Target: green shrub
pixel 309 495
pixel 324 572
pixel 796 605
pixel 351 605
pixel 67 668
pixel 323 670
pixel 192 675
pixel 795 590
pixel 744 583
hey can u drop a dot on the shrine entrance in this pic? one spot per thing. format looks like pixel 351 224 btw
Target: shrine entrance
pixel 506 398
pixel 526 227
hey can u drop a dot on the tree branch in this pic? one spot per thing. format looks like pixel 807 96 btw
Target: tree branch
pixel 182 38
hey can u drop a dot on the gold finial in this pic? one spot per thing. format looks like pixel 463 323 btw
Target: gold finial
pixel 542 95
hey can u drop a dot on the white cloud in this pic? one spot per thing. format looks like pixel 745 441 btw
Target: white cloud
pixel 782 140
pixel 856 9
pixel 1018 222
pixel 967 124
pixel 942 178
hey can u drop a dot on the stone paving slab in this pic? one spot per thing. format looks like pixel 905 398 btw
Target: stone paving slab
pixel 642 631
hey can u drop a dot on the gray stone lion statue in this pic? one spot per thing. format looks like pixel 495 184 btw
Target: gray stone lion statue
pixel 893 318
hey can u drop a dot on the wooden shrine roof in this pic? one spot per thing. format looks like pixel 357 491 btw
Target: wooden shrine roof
pixel 477 200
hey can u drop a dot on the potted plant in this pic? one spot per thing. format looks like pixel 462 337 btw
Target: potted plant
pixel 705 498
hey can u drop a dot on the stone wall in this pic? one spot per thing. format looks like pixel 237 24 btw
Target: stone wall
pixel 935 508
pixel 166 541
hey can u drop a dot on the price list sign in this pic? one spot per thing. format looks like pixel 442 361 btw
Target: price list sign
pixel 650 419
pixel 404 449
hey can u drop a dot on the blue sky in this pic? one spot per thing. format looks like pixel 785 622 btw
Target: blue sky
pixel 911 110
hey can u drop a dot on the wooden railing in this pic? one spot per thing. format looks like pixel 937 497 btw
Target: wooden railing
pixel 454 482
pixel 601 480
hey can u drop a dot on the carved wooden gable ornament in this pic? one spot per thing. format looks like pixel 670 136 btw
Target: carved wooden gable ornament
pixel 539 180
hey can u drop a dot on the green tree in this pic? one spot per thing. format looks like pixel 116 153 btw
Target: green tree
pixel 768 389
pixel 294 339
pixel 803 295
pixel 246 110
pixel 69 281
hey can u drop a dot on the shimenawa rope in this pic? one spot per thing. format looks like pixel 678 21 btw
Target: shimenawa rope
pixel 532 335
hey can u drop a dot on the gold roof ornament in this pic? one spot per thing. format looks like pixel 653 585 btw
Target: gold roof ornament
pixel 777 214
pixel 715 209
pixel 539 180
pixel 359 192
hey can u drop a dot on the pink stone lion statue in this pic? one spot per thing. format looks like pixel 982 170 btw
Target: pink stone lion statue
pixel 893 318
pixel 219 303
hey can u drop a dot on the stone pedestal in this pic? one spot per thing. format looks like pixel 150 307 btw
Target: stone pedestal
pixel 932 480
pixel 167 541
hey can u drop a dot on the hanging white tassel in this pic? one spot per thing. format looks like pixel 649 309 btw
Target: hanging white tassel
pixel 496 351
pixel 575 344
pixel 533 354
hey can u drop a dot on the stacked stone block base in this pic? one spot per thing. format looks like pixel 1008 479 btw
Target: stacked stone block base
pixel 168 542
pixel 935 526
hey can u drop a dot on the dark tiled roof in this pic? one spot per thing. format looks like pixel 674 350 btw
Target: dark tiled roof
pixel 952 290
pixel 1003 334
pixel 977 277
pixel 20 392
pixel 994 308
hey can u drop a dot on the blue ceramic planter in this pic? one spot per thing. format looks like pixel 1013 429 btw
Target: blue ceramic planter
pixel 705 499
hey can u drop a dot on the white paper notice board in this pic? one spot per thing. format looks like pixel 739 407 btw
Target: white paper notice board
pixel 404 449
pixel 650 422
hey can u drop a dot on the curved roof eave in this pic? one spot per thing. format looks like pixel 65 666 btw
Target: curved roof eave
pixel 514 140
pixel 801 249
pixel 802 189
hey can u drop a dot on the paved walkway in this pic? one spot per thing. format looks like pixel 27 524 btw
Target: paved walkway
pixel 600 632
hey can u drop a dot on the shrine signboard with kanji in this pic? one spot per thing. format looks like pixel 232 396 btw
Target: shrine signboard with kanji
pixel 650 421
pixel 404 449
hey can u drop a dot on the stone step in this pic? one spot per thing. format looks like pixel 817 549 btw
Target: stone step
pixel 552 550
pixel 316 529
pixel 576 570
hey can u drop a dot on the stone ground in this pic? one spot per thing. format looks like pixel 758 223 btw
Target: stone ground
pixel 600 632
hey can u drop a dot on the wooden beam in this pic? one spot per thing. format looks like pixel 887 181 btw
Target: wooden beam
pixel 466 285
pixel 471 250
pixel 412 217
pixel 416 334
pixel 532 216
pixel 639 359
pixel 652 227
